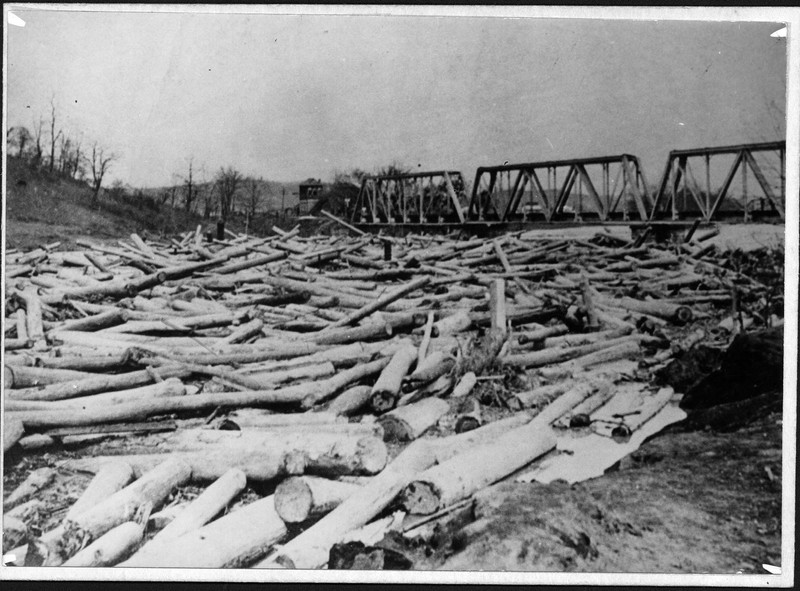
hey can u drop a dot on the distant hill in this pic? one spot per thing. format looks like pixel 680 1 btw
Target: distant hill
pixel 42 208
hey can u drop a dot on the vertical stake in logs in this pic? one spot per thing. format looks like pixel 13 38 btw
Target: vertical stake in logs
pixel 497 305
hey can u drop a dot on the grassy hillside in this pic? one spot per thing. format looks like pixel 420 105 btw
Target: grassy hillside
pixel 43 208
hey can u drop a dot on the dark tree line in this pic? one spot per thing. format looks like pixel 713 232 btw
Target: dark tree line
pixel 227 193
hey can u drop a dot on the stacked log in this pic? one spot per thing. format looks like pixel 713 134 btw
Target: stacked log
pixel 286 361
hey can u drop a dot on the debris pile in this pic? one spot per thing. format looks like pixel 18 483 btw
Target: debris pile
pixel 298 401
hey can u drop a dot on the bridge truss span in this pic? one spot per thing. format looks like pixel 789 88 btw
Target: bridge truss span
pixel 607 188
pixel 424 197
pixel 760 191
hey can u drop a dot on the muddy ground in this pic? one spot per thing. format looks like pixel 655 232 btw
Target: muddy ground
pixel 685 502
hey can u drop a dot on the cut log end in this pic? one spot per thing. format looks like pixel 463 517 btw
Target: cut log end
pixel 683 315
pixel 468 423
pixel 293 500
pixel 382 402
pixel 420 498
pixel 395 429
pixel 373 457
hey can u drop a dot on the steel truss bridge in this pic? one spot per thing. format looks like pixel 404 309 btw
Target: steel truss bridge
pixel 607 189
pixel 680 196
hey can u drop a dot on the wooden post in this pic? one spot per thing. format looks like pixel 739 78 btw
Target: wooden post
pixel 22 325
pixel 588 304
pixel 426 339
pixel 497 304
pixel 33 314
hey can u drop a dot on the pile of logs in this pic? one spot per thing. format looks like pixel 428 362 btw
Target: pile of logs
pixel 354 371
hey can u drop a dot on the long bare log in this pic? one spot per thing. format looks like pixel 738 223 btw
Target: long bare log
pixel 550 356
pixel 435 365
pixel 200 511
pixel 109 548
pixel 168 387
pixel 13 430
pixel 335 384
pixel 675 313
pixel 258 418
pixel 382 302
pixel 265 455
pixel 244 332
pixel 96 322
pixel 234 540
pixel 350 401
pixel 336 336
pixel 142 409
pixel 151 489
pixel 111 478
pixel 27 377
pixel 36 481
pixel 353 449
pixel 95 385
pixel 33 313
pixel 387 388
pixel 463 474
pixel 406 423
pixel 85 363
pixel 311 548
pixel 452 324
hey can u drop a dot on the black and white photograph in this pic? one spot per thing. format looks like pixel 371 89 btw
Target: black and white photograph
pixel 400 294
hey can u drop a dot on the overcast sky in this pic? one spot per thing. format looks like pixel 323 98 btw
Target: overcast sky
pixel 288 97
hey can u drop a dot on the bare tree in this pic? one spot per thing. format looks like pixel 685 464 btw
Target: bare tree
pixel 253 196
pixel 37 136
pixel 20 138
pixel 65 155
pixel 189 188
pixel 53 135
pixel 76 168
pixel 209 203
pixel 227 183
pixel 99 164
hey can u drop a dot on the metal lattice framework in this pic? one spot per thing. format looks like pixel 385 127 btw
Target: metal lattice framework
pixel 606 188
pixel 423 197
pixel 680 196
